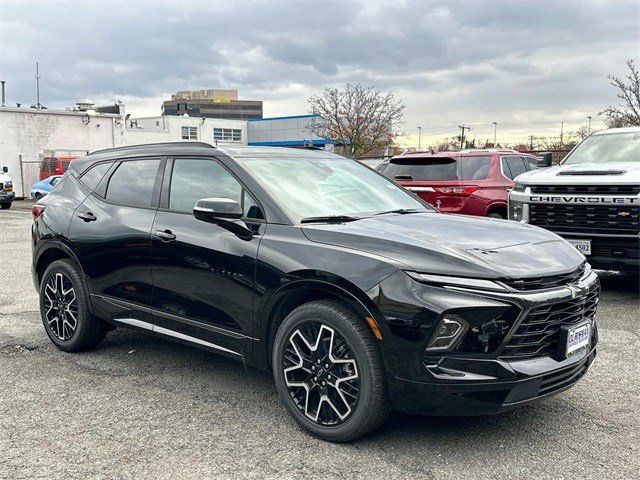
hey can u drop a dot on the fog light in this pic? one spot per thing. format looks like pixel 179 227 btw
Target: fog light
pixel 515 211
pixel 448 333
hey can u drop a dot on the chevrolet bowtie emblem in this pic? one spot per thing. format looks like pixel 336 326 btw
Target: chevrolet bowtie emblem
pixel 623 214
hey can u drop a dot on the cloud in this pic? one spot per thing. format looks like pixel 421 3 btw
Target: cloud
pixel 453 62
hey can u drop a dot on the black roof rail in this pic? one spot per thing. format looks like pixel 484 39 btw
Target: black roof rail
pixel 154 145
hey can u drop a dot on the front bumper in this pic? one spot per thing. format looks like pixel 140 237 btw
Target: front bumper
pixel 531 381
pixel 467 383
pixel 7 197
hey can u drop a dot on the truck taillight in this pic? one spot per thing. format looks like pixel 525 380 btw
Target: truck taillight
pixel 36 211
pixel 457 191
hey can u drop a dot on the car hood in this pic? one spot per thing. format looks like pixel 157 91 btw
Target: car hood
pixel 454 244
pixel 5 178
pixel 596 174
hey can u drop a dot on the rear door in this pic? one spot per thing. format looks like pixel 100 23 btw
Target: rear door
pixel 111 230
pixel 204 273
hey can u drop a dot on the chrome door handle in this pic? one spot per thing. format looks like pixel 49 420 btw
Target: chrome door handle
pixel 165 235
pixel 87 217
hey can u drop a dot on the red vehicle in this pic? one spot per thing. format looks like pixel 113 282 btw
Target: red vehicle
pixel 471 182
pixel 54 166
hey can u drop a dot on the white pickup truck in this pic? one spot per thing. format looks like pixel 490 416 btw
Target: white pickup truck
pixel 6 189
pixel 592 198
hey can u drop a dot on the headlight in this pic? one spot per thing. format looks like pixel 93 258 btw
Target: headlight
pixel 515 210
pixel 519 187
pixel 448 333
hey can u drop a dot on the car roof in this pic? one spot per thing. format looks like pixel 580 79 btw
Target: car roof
pixel 617 130
pixel 196 148
pixel 459 153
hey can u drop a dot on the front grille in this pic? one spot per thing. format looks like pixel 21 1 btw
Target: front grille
pixel 540 283
pixel 615 247
pixel 587 189
pixel 620 220
pixel 562 378
pixel 538 333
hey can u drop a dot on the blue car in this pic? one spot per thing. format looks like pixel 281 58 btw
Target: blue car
pixel 40 189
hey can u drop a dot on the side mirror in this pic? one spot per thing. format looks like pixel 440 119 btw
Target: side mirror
pixel 217 209
pixel 545 159
pixel 5 169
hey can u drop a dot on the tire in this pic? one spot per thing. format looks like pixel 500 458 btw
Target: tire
pixel 496 215
pixel 5 206
pixel 336 325
pixel 88 331
pixel 37 196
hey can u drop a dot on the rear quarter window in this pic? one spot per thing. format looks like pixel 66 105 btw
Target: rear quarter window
pixel 92 177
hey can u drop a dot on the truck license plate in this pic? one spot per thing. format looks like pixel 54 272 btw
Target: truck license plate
pixel 583 246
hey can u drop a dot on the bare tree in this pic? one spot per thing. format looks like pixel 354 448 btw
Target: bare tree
pixel 627 112
pixel 362 119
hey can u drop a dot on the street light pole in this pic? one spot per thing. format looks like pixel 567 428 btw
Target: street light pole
pixel 589 117
pixel 495 134
pixel 419 138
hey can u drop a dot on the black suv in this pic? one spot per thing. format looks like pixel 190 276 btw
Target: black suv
pixel 357 295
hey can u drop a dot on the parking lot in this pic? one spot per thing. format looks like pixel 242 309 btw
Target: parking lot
pixel 139 406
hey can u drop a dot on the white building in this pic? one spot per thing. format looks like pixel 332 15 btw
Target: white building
pixel 171 128
pixel 291 131
pixel 27 135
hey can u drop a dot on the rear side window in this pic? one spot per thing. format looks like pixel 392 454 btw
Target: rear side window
pixel 513 166
pixel 530 163
pixel 92 177
pixel 474 168
pixel 439 168
pixel 132 183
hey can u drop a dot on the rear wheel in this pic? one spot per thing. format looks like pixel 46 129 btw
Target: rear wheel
pixel 328 372
pixel 5 205
pixel 64 308
pixel 496 215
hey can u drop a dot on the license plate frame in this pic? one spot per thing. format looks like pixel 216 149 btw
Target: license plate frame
pixel 583 246
pixel 575 340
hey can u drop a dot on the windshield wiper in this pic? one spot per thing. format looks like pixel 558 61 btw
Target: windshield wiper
pixel 402 211
pixel 330 219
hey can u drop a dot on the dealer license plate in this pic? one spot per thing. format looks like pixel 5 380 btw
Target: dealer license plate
pixel 578 339
pixel 583 246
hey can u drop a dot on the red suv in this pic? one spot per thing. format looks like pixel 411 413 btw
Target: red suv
pixel 472 182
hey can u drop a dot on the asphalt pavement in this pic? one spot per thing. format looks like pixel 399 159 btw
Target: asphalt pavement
pixel 143 407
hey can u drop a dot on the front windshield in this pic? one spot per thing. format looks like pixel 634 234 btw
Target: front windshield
pixel 607 148
pixel 319 187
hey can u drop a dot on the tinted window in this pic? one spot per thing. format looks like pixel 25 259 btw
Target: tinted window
pixel 439 169
pixel 132 183
pixel 193 179
pixel 422 169
pixel 513 166
pixel 474 168
pixel 92 177
pixel 530 163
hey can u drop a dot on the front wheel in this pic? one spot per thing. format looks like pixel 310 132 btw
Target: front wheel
pixel 5 205
pixel 37 196
pixel 328 372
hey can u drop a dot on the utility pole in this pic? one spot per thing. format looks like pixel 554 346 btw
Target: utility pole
pixel 38 105
pixel 462 128
pixel 495 134
pixel 589 117
pixel 561 131
pixel 419 138
pixel 531 144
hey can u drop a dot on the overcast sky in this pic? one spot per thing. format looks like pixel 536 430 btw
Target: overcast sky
pixel 524 65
